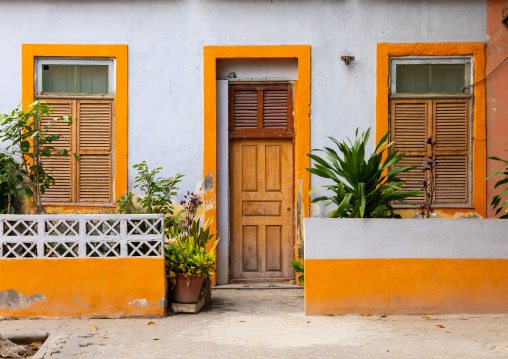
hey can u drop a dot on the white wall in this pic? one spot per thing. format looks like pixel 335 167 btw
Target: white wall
pixel 358 238
pixel 166 39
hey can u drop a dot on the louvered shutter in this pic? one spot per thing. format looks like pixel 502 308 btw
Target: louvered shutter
pixel 275 108
pixel 451 131
pixel 94 135
pixel 260 110
pixel 59 167
pixel 245 108
pixel 409 120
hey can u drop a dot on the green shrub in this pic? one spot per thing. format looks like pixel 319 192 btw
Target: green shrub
pixel 496 201
pixel 364 188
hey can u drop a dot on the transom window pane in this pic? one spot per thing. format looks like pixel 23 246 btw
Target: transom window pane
pixel 430 78
pixel 84 79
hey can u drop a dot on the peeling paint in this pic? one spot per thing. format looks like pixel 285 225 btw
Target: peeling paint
pixel 315 210
pixel 440 213
pixel 208 182
pixel 10 299
pixel 82 304
pixel 162 302
pixel 398 300
pixel 140 303
pixel 209 204
pixel 300 215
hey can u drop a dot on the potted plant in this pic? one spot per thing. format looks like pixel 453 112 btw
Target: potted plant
pixel 189 263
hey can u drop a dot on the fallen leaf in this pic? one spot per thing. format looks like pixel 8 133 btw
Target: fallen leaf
pixel 242 321
pixel 440 326
pixel 94 328
pixel 308 321
pixel 366 315
pixel 150 322
pixel 156 339
pixel 383 316
pixel 425 316
pixel 37 343
pixel 106 337
pixel 34 349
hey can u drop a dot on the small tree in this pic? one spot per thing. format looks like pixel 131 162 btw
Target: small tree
pixel 30 141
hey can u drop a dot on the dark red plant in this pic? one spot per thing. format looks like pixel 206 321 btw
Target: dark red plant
pixel 428 184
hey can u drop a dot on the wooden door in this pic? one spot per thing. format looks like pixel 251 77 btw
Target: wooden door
pixel 261 209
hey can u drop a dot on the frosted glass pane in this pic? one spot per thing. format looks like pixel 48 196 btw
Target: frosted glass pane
pixel 82 79
pixel 58 78
pixel 448 78
pixel 430 78
pixel 412 78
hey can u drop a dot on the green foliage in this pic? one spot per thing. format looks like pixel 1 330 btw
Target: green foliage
pixel 185 256
pixel 298 267
pixel 361 190
pixel 10 179
pixel 126 204
pixel 496 201
pixel 30 141
pixel 157 190
pixel 158 197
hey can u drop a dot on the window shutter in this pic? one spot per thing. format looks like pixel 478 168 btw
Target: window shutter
pixel 245 108
pixel 59 167
pixel 451 128
pixel 95 151
pixel 409 120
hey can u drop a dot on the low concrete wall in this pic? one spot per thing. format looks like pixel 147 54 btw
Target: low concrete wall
pixel 82 265
pixel 406 266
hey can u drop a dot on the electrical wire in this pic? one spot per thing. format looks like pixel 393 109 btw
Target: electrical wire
pixel 486 77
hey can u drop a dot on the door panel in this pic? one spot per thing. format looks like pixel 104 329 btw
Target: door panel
pixel 261 208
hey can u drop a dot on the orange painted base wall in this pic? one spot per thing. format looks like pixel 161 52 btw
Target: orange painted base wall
pixel 406 286
pixel 82 287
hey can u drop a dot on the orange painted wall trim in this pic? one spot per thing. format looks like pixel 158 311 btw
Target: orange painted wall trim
pixel 119 52
pixel 406 286
pixel 83 287
pixel 211 54
pixel 475 49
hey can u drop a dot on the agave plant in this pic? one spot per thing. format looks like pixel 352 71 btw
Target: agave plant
pixel 496 201
pixel 364 188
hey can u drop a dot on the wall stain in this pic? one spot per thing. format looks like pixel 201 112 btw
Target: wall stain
pixel 300 214
pixel 10 299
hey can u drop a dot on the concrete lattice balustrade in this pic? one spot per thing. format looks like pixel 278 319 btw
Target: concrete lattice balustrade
pixel 81 236
pixel 82 265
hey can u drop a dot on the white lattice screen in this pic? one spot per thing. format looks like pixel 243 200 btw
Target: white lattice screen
pixel 81 236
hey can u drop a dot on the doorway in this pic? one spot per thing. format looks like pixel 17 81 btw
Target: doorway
pixel 261 181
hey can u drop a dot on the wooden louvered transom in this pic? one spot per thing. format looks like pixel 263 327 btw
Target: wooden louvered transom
pixel 260 110
pixel 412 121
pixel 246 109
pixel 89 180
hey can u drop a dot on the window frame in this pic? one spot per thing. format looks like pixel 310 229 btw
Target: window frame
pixel 425 60
pixel 118 52
pixel 40 61
pixel 393 95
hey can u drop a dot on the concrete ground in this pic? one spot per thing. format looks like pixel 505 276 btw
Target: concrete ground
pixel 270 323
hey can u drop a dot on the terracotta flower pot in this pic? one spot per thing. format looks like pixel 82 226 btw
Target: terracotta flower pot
pixel 183 293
